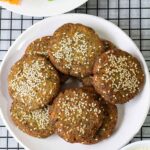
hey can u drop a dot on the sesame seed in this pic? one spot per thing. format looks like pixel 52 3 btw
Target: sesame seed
pixel 120 74
pixel 38 119
pixel 70 49
pixel 77 109
pixel 26 83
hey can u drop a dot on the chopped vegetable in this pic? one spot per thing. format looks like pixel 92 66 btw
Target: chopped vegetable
pixel 15 1
pixel 12 1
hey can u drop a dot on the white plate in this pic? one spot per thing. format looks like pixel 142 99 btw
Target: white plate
pixel 131 115
pixel 140 145
pixel 41 8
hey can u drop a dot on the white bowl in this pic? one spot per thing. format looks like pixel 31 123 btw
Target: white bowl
pixel 131 115
pixel 40 8
pixel 141 145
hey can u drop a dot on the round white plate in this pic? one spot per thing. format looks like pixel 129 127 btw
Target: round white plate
pixel 140 145
pixel 41 8
pixel 131 115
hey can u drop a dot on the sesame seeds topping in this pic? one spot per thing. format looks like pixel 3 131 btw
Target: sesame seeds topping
pixel 72 49
pixel 31 78
pixel 36 120
pixel 41 117
pixel 39 46
pixel 39 53
pixel 122 73
pixel 76 109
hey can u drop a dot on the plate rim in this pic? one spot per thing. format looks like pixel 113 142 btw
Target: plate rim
pixel 127 147
pixel 78 14
pixel 35 14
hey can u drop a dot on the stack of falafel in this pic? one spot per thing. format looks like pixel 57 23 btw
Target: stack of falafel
pixel 85 114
